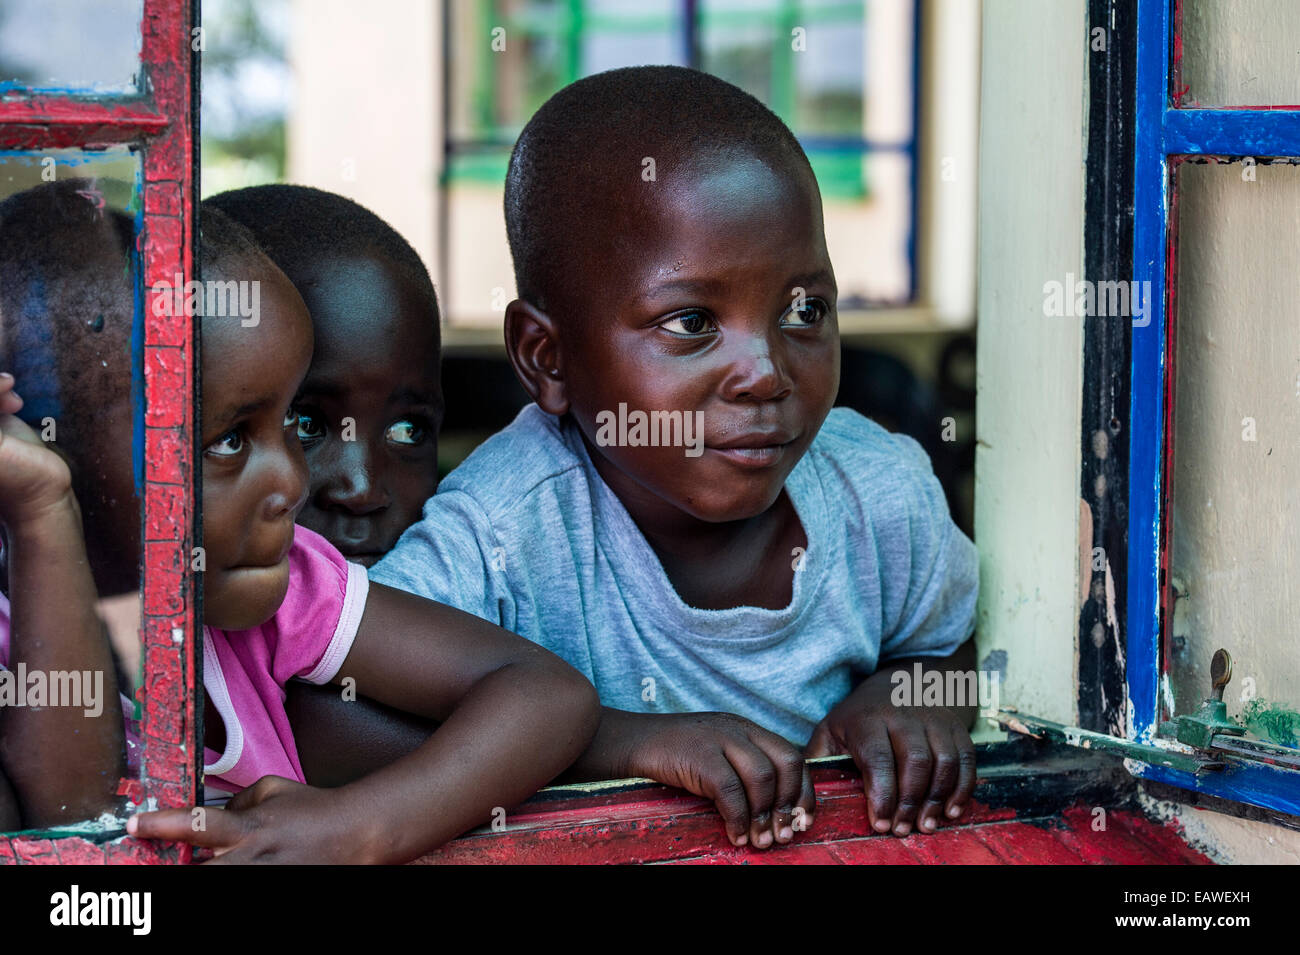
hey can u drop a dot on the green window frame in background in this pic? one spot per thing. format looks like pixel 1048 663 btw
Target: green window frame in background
pixel 480 154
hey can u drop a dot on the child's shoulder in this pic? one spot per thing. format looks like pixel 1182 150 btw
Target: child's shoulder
pixel 866 471
pixel 851 438
pixel 502 473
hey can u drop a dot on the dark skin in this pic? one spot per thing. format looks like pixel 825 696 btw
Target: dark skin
pixel 720 297
pixel 57 764
pixel 698 313
pixel 512 715
pixel 376 361
pixel 69 514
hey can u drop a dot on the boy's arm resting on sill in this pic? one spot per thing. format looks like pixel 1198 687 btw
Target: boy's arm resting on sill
pixel 917 762
pixel 758 781
pixel 341 739
pixel 63 762
pixel 513 717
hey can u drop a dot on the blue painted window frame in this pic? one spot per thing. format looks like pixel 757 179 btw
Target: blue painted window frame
pixel 1163 132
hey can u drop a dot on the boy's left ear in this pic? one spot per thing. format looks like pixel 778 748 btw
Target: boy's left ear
pixel 534 350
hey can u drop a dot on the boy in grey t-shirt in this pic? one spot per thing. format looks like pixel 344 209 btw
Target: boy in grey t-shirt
pixel 680 515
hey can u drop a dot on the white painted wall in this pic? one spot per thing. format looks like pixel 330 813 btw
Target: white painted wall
pixel 367 119
pixel 1241 52
pixel 948 175
pixel 1029 367
pixel 1236 480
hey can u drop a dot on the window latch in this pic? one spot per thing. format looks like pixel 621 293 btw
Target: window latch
pixel 1211 729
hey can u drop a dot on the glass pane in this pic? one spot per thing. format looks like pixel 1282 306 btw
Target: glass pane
pixel 81 45
pixel 1236 460
pixel 69 327
pixel 1241 52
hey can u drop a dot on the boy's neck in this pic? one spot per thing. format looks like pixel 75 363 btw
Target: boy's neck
pixel 711 565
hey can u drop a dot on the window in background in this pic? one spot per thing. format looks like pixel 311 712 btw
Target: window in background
pixel 808 61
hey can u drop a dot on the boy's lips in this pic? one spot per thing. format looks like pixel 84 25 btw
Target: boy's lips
pixel 755 449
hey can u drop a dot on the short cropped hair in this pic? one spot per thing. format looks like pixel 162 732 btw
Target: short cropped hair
pixel 296 225
pixel 225 246
pixel 590 140
pixel 67 300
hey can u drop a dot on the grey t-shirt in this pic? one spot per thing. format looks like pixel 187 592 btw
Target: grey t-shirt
pixel 526 534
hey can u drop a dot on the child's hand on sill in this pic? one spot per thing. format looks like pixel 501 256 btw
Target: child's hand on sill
pixel 759 782
pixel 274 821
pixel 917 762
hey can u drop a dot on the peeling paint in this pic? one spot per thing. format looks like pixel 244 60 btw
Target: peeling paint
pixel 1272 722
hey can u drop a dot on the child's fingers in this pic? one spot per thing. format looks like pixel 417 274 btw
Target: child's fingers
pixel 210 828
pixel 823 743
pixel 260 791
pixel 719 781
pixel 943 782
pixel 916 766
pixel 758 776
pixel 966 774
pixel 793 784
pixel 874 755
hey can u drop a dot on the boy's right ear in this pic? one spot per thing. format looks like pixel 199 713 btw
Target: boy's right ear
pixel 533 345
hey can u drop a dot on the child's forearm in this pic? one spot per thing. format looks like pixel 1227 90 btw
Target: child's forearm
pixel 340 741
pixel 63 761
pixel 541 717
pixel 610 754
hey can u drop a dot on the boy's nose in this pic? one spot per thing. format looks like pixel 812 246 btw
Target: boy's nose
pixel 756 371
pixel 353 486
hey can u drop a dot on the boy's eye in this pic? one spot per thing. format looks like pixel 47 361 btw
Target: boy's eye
pixel 228 445
pixel 290 418
pixel 690 323
pixel 811 312
pixel 309 428
pixel 405 431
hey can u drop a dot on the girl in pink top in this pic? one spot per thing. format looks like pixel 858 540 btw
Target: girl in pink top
pixel 280 602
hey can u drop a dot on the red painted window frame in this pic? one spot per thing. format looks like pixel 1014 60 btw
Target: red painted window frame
pixel 159 121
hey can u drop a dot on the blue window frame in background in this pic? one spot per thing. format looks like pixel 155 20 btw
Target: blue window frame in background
pixel 1164 132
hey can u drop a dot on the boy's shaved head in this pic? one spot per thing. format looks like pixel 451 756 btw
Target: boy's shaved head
pixel 590 142
pixel 297 226
pixel 227 248
pixel 67 310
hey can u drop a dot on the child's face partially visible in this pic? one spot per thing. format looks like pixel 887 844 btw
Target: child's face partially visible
pixel 375 362
pixel 697 308
pixel 254 475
